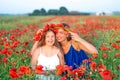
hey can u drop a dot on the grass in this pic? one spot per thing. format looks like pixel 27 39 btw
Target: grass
pixel 102 38
pixel 8 22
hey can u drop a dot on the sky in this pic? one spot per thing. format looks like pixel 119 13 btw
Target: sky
pixel 27 6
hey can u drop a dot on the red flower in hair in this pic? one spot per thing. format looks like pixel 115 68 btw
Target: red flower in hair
pixel 38 36
pixel 62 26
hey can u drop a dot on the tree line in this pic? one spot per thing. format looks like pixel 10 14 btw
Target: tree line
pixel 61 11
pixel 42 11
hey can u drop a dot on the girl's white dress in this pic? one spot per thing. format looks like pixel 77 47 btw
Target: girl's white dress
pixel 48 63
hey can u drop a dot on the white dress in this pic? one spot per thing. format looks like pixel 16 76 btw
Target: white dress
pixel 48 63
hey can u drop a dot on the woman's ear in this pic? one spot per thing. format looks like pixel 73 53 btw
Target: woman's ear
pixel 69 36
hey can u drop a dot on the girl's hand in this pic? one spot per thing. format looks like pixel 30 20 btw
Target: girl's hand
pixel 74 36
pixel 39 31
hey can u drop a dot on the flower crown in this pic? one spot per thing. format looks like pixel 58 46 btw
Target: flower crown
pixel 53 27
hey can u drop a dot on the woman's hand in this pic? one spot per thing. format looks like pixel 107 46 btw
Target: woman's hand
pixel 84 45
pixel 74 36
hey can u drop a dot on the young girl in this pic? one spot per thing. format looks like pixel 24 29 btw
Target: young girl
pixel 48 54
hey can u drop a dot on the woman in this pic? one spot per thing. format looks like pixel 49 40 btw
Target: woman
pixel 47 54
pixel 73 46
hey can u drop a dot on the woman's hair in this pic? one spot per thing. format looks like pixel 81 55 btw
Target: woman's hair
pixel 65 24
pixel 42 41
pixel 69 36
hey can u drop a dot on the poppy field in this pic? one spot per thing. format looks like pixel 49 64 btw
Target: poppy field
pixel 16 40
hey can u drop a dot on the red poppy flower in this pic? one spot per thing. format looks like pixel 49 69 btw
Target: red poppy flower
pixel 59 69
pixel 7 44
pixel 13 73
pixel 76 78
pixel 117 55
pixel 26 43
pixel 63 78
pixel 93 65
pixel 39 70
pixel 9 53
pixel 5 60
pixel 101 67
pixel 15 44
pixel 105 55
pixel 78 72
pixel 117 41
pixel 37 37
pixel 4 51
pixel 106 75
pixel 118 67
pixel 23 69
pixel 95 56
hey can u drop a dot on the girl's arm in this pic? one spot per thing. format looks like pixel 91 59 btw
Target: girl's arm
pixel 36 42
pixel 89 48
pixel 61 58
pixel 34 47
pixel 34 58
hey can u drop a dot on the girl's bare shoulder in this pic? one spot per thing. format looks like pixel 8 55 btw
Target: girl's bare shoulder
pixel 37 51
pixel 56 48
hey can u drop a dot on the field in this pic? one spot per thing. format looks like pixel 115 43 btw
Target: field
pixel 16 40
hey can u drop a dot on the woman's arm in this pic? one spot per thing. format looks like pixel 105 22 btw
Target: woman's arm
pixel 89 48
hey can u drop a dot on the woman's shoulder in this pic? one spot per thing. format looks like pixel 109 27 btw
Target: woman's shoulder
pixel 75 45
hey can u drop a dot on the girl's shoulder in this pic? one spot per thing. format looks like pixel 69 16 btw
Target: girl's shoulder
pixel 56 48
pixel 37 51
pixel 75 45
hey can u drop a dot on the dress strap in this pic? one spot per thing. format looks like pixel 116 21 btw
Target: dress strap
pixel 58 51
pixel 40 50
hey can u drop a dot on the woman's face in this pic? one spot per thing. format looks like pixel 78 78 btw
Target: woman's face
pixel 50 38
pixel 61 35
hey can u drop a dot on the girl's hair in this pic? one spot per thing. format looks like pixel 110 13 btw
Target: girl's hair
pixel 42 41
pixel 69 36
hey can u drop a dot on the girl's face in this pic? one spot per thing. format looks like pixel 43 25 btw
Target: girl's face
pixel 61 35
pixel 50 38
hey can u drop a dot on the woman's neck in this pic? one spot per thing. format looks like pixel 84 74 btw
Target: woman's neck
pixel 66 46
pixel 64 43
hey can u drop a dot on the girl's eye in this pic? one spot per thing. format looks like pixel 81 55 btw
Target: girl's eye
pixel 61 32
pixel 51 36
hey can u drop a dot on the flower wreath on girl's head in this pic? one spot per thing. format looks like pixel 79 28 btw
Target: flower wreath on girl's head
pixel 53 27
